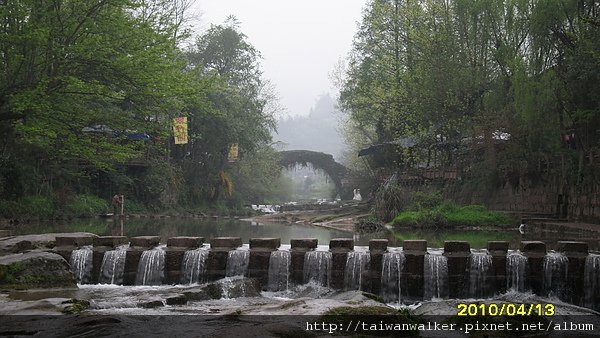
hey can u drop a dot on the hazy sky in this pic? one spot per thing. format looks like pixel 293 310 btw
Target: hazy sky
pixel 300 41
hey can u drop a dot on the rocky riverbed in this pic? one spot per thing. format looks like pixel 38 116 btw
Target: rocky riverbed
pixel 236 307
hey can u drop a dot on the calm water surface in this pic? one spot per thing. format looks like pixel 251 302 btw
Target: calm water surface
pixel 171 227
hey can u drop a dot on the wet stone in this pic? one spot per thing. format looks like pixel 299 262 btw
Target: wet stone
pixel 177 300
pixel 74 241
pixel 185 242
pixel 452 248
pixel 497 247
pixel 341 244
pixel 151 304
pixel 225 242
pixel 417 245
pixel 573 248
pixel 533 248
pixel 265 243
pixel 144 241
pixel 110 241
pixel 378 244
pixel 303 243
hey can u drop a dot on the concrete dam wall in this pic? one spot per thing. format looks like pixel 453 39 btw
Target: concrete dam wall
pixel 407 274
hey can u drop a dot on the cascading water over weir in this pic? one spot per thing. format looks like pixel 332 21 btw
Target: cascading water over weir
pixel 436 276
pixel 357 264
pixel 81 264
pixel 151 267
pixel 317 267
pixel 194 266
pixel 113 266
pixel 392 263
pixel 279 270
pixel 237 262
pixel 591 284
pixel 410 274
pixel 516 270
pixel 555 274
pixel 480 275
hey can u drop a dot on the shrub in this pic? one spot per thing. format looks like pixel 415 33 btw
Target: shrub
pixel 87 205
pixel 390 199
pixel 448 214
pixel 37 206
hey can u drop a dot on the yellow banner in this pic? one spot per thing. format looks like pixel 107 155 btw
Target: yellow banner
pixel 180 130
pixel 233 153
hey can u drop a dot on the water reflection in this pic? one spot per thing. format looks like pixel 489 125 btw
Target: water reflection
pixel 209 228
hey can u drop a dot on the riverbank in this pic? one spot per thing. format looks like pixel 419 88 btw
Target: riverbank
pixel 344 217
pixel 114 311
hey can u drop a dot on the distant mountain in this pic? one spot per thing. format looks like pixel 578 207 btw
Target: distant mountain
pixel 318 131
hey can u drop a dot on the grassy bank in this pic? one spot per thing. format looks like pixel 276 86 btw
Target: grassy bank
pixel 447 214
pixel 34 208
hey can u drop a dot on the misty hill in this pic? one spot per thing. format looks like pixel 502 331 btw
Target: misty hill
pixel 317 131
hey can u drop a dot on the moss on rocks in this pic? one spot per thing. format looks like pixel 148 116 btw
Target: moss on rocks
pixel 35 270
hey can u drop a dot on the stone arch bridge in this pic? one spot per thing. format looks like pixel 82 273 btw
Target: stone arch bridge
pixel 336 171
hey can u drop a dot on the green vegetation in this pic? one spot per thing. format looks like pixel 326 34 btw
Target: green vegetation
pixel 497 92
pixel 447 215
pixel 427 210
pixel 76 306
pixel 88 94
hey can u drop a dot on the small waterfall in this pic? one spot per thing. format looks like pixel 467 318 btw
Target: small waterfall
pixel 237 263
pixel 357 263
pixel 81 264
pixel 480 275
pixel 436 276
pixel 591 282
pixel 193 267
pixel 555 274
pixel 390 276
pixel 151 268
pixel 516 268
pixel 113 266
pixel 317 267
pixel 279 270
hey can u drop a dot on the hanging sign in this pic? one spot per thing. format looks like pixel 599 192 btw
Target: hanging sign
pixel 233 153
pixel 180 130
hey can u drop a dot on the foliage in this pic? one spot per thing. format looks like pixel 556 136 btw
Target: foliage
pixel 490 88
pixel 87 205
pixel 82 81
pixel 390 199
pixel 447 214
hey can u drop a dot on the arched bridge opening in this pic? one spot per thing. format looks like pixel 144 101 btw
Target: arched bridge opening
pixel 325 162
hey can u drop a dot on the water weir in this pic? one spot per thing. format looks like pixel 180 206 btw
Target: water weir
pixel 317 267
pixel 555 274
pixel 516 270
pixel 357 264
pixel 279 270
pixel 408 274
pixel 392 263
pixel 436 276
pixel 193 267
pixel 237 263
pixel 81 264
pixel 151 267
pixel 113 266
pixel 480 275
